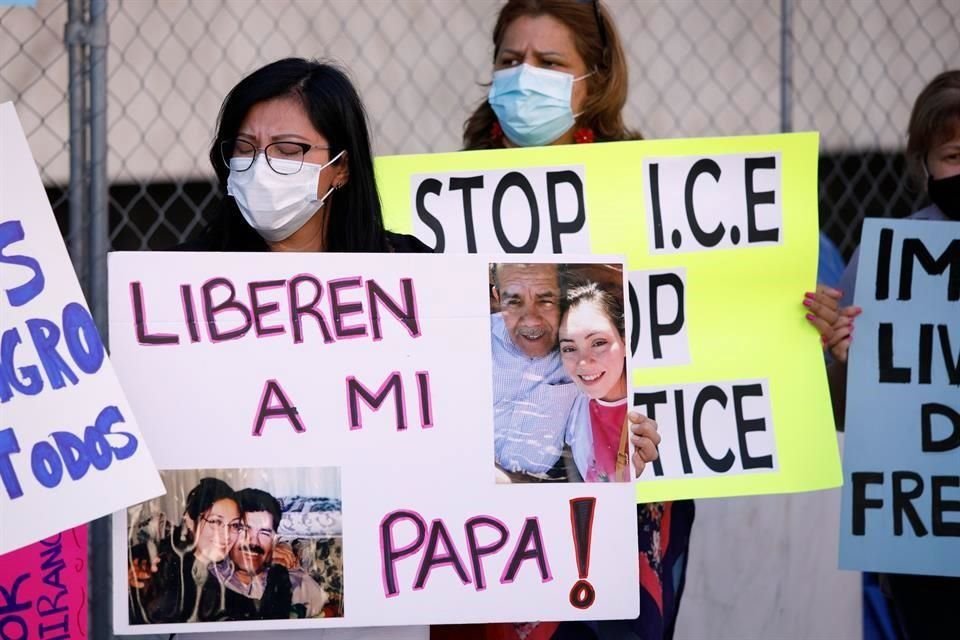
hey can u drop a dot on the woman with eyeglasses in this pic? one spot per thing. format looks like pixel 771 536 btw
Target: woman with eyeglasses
pixel 178 583
pixel 560 77
pixel 292 156
pixel 294 165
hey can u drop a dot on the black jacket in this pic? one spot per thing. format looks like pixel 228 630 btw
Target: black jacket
pixel 398 243
pixel 228 231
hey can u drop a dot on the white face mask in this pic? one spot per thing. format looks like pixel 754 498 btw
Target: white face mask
pixel 276 205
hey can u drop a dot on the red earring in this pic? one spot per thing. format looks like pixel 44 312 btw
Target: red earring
pixel 496 132
pixel 583 135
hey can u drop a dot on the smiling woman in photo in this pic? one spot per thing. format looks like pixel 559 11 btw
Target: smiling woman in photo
pixel 593 352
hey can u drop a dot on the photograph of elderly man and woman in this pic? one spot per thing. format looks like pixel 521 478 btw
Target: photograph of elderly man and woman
pixel 560 374
pixel 247 544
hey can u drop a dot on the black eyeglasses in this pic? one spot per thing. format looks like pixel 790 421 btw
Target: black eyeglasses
pixel 284 157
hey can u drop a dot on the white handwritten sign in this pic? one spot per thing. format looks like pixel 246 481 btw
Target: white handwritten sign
pixel 70 448
pixel 253 371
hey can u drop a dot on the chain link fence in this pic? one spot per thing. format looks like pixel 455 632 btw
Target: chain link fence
pixel 698 67
pixel 34 75
pixel 850 70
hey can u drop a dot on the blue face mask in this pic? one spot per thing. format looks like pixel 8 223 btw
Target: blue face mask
pixel 532 104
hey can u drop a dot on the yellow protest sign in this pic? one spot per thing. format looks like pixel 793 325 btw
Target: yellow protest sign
pixel 720 236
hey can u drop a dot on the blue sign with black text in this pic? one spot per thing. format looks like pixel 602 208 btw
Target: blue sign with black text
pixel 901 495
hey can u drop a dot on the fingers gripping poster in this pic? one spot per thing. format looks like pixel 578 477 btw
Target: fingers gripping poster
pixel 720 237
pixel 70 447
pixel 325 429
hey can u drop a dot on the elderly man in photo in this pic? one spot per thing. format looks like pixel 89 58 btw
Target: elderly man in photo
pixel 532 395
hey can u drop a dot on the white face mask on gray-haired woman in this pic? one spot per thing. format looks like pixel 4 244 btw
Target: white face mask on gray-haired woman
pixel 277 205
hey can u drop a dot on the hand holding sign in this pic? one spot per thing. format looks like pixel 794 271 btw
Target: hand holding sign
pixel 644 440
pixel 835 324
pixel 838 343
pixel 822 308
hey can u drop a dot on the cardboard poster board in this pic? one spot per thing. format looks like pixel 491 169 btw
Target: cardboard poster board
pixel 356 392
pixel 901 500
pixel 720 236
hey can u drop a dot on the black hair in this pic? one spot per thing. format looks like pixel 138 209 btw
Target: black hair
pixel 203 496
pixel 335 110
pixel 253 500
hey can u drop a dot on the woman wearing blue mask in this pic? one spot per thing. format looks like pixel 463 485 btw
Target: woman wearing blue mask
pixel 560 77
pixel 292 156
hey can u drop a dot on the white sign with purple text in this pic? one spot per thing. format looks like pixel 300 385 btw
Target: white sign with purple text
pixel 325 424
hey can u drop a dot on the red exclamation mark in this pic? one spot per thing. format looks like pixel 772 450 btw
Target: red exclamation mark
pixel 582 595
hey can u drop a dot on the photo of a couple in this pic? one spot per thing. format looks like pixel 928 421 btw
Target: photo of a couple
pixel 260 552
pixel 559 373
